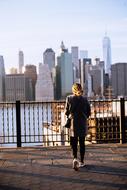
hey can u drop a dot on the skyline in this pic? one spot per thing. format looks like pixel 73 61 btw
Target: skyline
pixel 35 25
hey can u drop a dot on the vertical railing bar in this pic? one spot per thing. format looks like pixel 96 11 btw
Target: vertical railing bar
pixel 112 120
pixel 56 120
pixel 108 120
pixel 116 111
pixel 122 120
pixel 29 132
pixel 24 114
pixel 52 123
pixel 18 123
pixel 58 108
pixel 8 123
pixel 38 123
pixel 42 126
pixel 48 128
pixel 12 122
pixel 3 123
pixel 33 122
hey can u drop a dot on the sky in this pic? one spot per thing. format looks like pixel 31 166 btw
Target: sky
pixel 35 25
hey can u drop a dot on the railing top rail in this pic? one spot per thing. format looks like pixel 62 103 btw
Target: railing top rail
pixel 60 101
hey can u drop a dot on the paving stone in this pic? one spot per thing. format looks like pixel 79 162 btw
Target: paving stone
pixel 49 168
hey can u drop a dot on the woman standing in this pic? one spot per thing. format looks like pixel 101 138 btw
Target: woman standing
pixel 78 108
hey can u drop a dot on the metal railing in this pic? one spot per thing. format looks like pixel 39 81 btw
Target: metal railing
pixel 35 123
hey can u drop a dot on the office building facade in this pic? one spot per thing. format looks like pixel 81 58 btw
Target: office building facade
pixel 97 76
pixel 44 85
pixel 31 73
pixel 85 78
pixel 119 79
pixel 49 58
pixel 75 62
pixel 65 68
pixel 18 87
pixel 2 79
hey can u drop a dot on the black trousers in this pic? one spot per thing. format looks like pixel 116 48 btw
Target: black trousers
pixel 74 146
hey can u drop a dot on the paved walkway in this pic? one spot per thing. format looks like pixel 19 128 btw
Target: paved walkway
pixel 51 168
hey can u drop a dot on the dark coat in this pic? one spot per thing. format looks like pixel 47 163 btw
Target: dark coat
pixel 79 108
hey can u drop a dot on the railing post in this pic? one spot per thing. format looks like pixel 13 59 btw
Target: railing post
pixel 122 121
pixel 18 123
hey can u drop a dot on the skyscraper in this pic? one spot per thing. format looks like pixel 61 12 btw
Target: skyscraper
pixel 107 55
pixel 18 87
pixel 49 58
pixel 65 68
pixel 119 79
pixel 84 65
pixel 2 79
pixel 97 75
pixel 44 84
pixel 75 59
pixel 31 73
pixel 21 61
pixel 75 63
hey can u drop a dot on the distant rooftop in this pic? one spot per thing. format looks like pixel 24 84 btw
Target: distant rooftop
pixel 48 50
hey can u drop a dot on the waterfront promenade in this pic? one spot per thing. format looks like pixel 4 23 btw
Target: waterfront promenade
pixel 50 168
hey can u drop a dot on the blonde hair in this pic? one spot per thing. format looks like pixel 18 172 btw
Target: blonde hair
pixel 77 89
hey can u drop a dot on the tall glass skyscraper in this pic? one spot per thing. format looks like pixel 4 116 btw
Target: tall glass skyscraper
pixel 107 54
pixel 21 61
pixel 64 71
pixel 49 58
pixel 75 62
